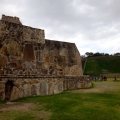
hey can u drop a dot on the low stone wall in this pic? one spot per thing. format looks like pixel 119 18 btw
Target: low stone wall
pixel 17 87
pixel 76 82
pixel 110 75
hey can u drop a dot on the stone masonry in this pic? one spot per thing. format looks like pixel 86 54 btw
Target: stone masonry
pixel 32 65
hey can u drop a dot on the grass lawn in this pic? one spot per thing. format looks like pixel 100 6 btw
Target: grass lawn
pixel 102 102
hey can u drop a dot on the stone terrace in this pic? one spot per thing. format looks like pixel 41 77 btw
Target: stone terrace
pixel 32 65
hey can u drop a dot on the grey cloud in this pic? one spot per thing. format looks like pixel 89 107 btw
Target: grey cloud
pixel 95 20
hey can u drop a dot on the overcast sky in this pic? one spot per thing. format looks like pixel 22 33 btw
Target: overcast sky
pixel 94 25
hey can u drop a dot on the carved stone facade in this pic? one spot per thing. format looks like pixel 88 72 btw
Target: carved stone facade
pixel 33 65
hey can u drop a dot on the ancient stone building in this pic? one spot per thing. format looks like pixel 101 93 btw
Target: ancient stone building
pixel 32 65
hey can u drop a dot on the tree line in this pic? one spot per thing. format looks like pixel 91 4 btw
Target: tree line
pixel 91 54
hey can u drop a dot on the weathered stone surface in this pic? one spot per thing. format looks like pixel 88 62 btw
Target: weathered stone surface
pixel 43 88
pixel 31 81
pixel 27 90
pixel 16 93
pixel 2 87
pixel 24 52
pixel 32 65
pixel 3 61
pixel 34 90
pixel 28 52
pixel 1 72
pixel 58 88
pixel 50 88
pixel 11 19
pixel 18 83
pixel 2 95
pixel 14 48
pixel 4 50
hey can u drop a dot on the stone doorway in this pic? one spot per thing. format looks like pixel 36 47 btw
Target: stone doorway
pixel 8 90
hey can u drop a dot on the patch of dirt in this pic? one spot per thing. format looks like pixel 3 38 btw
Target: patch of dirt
pixel 16 106
pixel 100 87
pixel 91 90
pixel 34 109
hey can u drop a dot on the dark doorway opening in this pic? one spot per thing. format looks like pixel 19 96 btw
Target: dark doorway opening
pixel 8 90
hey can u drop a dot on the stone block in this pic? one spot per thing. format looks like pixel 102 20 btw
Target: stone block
pixel 2 87
pixel 14 48
pixel 1 72
pixel 16 93
pixel 31 81
pixel 28 54
pixel 26 90
pixel 2 95
pixel 43 88
pixel 35 89
pixel 4 50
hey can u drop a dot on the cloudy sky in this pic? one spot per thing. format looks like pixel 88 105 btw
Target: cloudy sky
pixel 94 25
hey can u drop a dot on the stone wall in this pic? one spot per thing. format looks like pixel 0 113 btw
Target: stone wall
pixel 14 88
pixel 30 63
pixel 111 75
pixel 24 50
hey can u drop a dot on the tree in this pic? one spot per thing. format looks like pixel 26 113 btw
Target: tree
pixel 89 54
pixel 116 54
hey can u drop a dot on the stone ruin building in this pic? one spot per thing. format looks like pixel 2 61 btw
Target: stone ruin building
pixel 32 65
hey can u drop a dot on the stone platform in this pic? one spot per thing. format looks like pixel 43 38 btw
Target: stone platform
pixel 32 65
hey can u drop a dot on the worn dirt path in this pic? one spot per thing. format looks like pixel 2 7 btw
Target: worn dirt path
pixel 100 87
pixel 23 108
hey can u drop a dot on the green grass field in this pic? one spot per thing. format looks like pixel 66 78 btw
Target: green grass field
pixel 101 102
pixel 97 65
